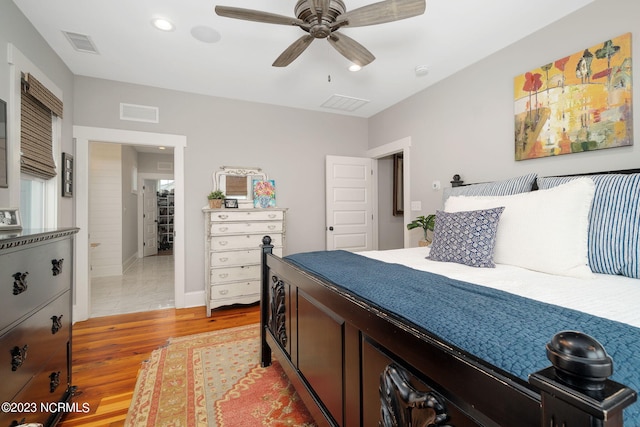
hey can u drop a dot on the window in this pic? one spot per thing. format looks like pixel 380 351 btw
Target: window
pixel 32 202
pixel 40 130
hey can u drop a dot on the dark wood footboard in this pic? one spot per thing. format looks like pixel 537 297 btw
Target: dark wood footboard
pixel 355 365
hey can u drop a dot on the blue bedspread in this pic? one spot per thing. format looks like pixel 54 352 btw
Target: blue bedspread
pixel 506 330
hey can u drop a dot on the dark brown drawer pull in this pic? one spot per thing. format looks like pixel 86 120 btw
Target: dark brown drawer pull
pixel 54 381
pixel 15 423
pixel 56 324
pixel 18 356
pixel 57 266
pixel 20 282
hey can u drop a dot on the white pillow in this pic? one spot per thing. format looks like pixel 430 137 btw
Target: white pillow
pixel 544 230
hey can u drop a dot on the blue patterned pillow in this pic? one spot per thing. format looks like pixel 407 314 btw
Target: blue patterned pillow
pixel 614 221
pixel 521 184
pixel 465 237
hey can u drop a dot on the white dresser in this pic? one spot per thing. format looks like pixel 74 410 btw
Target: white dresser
pixel 233 238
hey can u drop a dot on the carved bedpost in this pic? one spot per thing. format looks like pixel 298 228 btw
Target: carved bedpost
pixel 576 391
pixel 265 355
pixel 401 405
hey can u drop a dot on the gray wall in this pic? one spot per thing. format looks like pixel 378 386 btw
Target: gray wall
pixel 289 145
pixel 465 124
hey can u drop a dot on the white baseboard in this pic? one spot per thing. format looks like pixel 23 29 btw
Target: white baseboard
pixel 194 299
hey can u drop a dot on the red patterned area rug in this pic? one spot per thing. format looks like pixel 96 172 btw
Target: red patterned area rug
pixel 214 379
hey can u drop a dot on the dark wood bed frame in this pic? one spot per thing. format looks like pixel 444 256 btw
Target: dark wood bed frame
pixel 358 366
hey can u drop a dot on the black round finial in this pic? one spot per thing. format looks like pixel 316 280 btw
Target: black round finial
pixel 579 360
pixel 266 240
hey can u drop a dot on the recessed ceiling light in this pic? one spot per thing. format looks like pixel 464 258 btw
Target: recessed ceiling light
pixel 354 67
pixel 205 34
pixel 162 148
pixel 163 24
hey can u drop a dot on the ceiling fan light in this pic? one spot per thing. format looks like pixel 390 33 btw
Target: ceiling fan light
pixel 163 24
pixel 355 67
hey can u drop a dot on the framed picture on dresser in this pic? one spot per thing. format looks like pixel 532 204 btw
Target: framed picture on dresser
pixel 10 219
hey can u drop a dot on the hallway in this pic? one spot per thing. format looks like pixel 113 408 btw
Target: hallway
pixel 147 285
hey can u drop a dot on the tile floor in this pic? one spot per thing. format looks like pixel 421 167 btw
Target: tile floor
pixel 147 285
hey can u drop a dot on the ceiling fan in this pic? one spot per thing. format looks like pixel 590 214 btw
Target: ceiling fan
pixel 322 19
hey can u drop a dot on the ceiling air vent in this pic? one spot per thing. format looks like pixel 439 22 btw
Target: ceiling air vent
pixel 344 103
pixel 81 42
pixel 139 113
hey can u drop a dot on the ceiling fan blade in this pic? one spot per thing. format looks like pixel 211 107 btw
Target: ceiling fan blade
pixel 293 51
pixel 351 49
pixel 381 12
pixel 257 16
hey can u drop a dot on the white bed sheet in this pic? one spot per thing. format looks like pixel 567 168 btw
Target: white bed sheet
pixel 612 297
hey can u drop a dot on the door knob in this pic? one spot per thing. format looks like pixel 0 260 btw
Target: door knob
pixel 330 228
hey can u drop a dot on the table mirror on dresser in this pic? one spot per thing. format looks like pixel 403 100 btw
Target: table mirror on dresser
pixel 233 239
pixel 237 183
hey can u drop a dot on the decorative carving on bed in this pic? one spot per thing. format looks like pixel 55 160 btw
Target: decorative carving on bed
pixel 401 405
pixel 456 182
pixel 277 321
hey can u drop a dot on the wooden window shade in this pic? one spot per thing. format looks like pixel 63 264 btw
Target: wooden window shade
pixel 236 186
pixel 37 106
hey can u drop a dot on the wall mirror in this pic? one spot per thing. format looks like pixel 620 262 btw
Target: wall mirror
pixel 237 183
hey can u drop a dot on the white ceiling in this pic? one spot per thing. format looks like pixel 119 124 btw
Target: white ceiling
pixel 451 35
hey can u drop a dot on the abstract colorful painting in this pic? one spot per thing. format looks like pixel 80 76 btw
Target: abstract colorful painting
pixel 578 103
pixel 264 193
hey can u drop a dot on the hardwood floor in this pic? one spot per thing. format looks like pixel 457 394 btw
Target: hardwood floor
pixel 108 352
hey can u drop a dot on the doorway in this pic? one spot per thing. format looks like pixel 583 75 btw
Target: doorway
pixel 83 136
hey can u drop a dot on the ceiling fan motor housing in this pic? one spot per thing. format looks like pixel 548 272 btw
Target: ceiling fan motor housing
pixel 306 12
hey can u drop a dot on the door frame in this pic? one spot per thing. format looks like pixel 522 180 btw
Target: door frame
pixel 403 146
pixel 142 176
pixel 83 135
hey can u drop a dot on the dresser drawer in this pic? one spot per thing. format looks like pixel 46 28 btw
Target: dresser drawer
pixel 28 346
pixel 40 282
pixel 265 227
pixel 46 388
pixel 238 258
pixel 245 241
pixel 233 274
pixel 246 215
pixel 232 290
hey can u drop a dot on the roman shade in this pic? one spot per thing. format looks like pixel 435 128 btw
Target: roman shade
pixel 36 107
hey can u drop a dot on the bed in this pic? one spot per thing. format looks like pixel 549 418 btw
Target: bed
pixel 521 313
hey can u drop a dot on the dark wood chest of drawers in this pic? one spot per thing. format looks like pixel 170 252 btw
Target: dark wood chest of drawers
pixel 36 275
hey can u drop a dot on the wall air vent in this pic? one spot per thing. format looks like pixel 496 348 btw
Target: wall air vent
pixel 139 113
pixel 81 42
pixel 344 103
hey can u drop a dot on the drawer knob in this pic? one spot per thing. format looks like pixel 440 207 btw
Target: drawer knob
pixel 224 259
pixel 223 243
pixel 54 381
pixel 223 275
pixel 57 266
pixel 223 291
pixel 272 215
pixel 272 227
pixel 56 324
pixel 18 356
pixel 20 282
pixel 222 216
pixel 223 229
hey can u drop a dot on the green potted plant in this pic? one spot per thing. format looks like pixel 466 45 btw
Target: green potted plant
pixel 426 223
pixel 215 199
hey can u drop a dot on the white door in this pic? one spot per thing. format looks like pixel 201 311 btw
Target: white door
pixel 150 218
pixel 349 192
